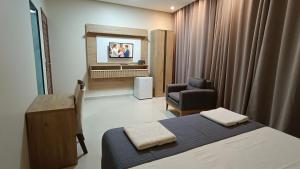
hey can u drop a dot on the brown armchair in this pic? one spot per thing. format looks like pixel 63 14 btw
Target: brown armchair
pixel 196 96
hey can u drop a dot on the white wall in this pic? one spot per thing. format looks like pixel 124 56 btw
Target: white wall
pixel 67 19
pixel 18 81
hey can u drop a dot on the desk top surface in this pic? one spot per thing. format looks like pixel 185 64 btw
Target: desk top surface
pixel 51 102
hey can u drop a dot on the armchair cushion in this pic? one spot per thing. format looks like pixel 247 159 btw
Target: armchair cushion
pixel 195 83
pixel 174 96
pixel 195 99
pixel 189 87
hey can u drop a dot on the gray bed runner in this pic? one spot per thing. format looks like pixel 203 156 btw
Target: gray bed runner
pixel 191 131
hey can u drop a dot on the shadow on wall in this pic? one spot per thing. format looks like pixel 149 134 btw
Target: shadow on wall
pixel 24 163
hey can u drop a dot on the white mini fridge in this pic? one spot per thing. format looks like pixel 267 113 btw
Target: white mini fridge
pixel 143 87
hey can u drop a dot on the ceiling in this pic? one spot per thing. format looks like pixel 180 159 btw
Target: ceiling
pixel 159 5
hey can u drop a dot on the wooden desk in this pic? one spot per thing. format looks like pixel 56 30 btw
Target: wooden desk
pixel 51 132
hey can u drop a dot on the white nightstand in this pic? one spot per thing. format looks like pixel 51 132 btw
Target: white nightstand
pixel 143 87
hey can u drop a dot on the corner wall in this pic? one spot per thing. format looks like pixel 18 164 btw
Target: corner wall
pixel 67 21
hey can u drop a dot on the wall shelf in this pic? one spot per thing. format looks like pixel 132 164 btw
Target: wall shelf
pixel 117 71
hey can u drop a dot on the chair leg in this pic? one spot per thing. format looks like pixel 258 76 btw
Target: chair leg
pixel 80 138
pixel 167 105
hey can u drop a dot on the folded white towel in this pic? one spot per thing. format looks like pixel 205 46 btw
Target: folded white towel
pixel 224 116
pixel 149 135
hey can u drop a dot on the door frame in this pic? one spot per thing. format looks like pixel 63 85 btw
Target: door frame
pixel 33 6
pixel 47 61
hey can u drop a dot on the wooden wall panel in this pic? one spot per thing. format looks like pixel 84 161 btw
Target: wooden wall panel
pixel 112 30
pixel 162 59
pixel 92 31
pixel 91 47
pixel 92 54
pixel 111 84
pixel 144 52
pixel 157 61
pixel 170 44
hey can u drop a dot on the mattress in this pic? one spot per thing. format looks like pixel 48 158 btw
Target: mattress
pixel 191 131
pixel 264 148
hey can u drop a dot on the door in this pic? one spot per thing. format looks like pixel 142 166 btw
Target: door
pixel 37 49
pixel 47 53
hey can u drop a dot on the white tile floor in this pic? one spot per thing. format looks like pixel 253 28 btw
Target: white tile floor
pixel 111 112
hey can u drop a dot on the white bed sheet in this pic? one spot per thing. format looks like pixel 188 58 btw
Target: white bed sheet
pixel 264 148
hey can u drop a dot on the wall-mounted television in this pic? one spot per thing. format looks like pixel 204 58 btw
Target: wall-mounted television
pixel 120 50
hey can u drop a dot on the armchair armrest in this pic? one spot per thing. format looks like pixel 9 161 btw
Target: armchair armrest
pixel 175 88
pixel 198 99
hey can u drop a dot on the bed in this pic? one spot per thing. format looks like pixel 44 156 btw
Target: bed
pixel 199 141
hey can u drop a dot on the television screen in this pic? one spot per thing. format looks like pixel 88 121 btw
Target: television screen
pixel 120 50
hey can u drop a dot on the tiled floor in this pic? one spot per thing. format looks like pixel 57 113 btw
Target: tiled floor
pixel 111 112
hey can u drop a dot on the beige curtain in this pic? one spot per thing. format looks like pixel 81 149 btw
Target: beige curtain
pixel 275 92
pixel 253 57
pixel 235 51
pixel 194 25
